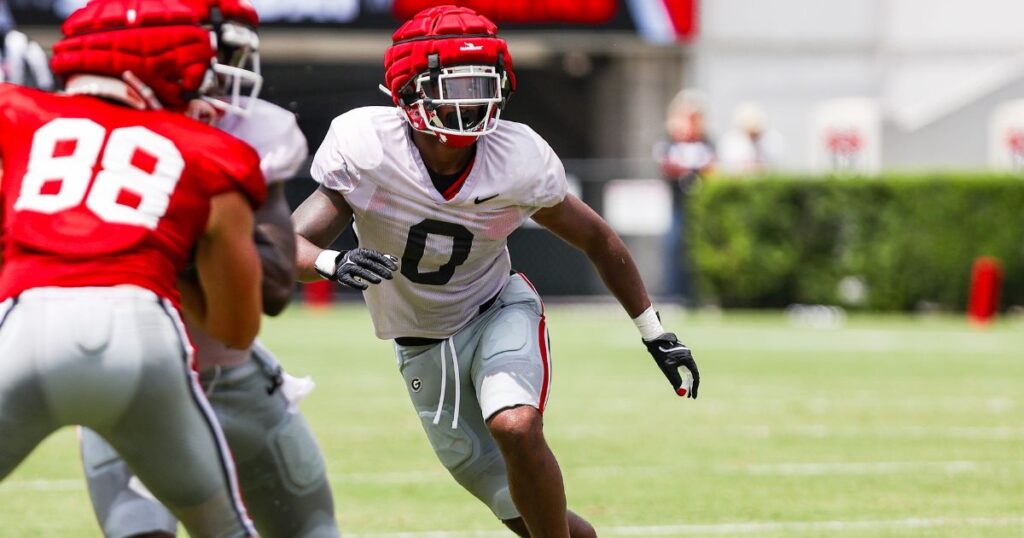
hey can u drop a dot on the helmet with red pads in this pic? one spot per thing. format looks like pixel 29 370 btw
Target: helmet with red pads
pixel 450 72
pixel 157 44
pixel 218 11
pixel 233 24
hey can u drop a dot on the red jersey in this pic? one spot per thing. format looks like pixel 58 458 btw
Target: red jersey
pixel 96 194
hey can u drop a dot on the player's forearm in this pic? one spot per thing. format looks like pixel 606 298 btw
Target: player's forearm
pixel 231 288
pixel 229 272
pixel 278 273
pixel 305 259
pixel 318 222
pixel 275 242
pixel 619 272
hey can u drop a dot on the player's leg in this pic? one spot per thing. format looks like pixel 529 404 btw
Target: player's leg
pixel 498 355
pixel 467 450
pixel 512 375
pixel 112 361
pixel 535 480
pixel 167 433
pixel 25 419
pixel 280 467
pixel 534 477
pixel 124 507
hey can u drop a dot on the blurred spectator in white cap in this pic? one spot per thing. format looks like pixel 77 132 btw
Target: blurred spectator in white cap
pixel 750 147
pixel 22 61
pixel 685 155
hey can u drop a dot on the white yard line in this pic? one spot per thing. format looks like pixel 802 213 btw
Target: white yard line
pixel 863 468
pixel 822 431
pixel 390 477
pixel 753 527
pixel 792 526
pixel 42 484
pixel 754 469
pixel 842 341
pixel 812 468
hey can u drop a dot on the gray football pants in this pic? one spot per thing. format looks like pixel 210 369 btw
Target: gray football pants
pixel 499 360
pixel 280 467
pixel 113 359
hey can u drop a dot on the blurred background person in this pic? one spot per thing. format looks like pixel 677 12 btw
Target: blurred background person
pixel 22 61
pixel 684 157
pixel 750 147
pixel 687 152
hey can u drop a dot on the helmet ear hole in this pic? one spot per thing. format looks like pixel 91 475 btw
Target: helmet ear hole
pixel 407 96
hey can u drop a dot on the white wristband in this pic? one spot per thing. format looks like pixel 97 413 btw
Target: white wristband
pixel 649 324
pixel 326 262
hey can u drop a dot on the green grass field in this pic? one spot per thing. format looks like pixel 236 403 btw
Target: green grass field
pixel 889 426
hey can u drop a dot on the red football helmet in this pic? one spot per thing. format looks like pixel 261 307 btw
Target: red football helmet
pixel 152 45
pixel 233 24
pixel 451 73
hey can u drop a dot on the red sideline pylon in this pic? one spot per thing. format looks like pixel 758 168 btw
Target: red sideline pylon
pixel 318 294
pixel 986 285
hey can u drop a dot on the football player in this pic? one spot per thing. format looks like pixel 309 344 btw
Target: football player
pixel 440 183
pixel 107 193
pixel 280 467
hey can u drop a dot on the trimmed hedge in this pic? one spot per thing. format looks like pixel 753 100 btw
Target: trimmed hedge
pixel 912 240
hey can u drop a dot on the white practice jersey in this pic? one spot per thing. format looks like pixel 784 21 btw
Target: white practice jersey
pixel 453 252
pixel 273 132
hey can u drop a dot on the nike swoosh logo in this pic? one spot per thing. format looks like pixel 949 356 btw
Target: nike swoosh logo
pixel 669 350
pixel 480 200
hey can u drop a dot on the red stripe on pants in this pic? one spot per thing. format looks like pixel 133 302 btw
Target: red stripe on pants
pixel 545 360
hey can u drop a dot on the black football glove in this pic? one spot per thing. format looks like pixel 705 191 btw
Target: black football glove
pixel 355 268
pixel 671 355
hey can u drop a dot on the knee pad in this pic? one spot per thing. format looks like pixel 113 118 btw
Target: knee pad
pixel 473 459
pixel 298 455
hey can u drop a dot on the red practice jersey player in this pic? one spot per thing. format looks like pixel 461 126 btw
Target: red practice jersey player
pixel 281 471
pixel 440 183
pixel 106 194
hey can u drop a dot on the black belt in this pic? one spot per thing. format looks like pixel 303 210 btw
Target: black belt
pixel 411 341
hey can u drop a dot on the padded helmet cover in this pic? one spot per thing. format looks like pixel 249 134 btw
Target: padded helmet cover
pixel 458 35
pixel 159 41
pixel 230 10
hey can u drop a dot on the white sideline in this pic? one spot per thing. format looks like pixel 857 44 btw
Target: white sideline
pixel 753 527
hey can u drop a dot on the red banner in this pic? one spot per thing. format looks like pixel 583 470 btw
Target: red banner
pixel 683 14
pixel 522 11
